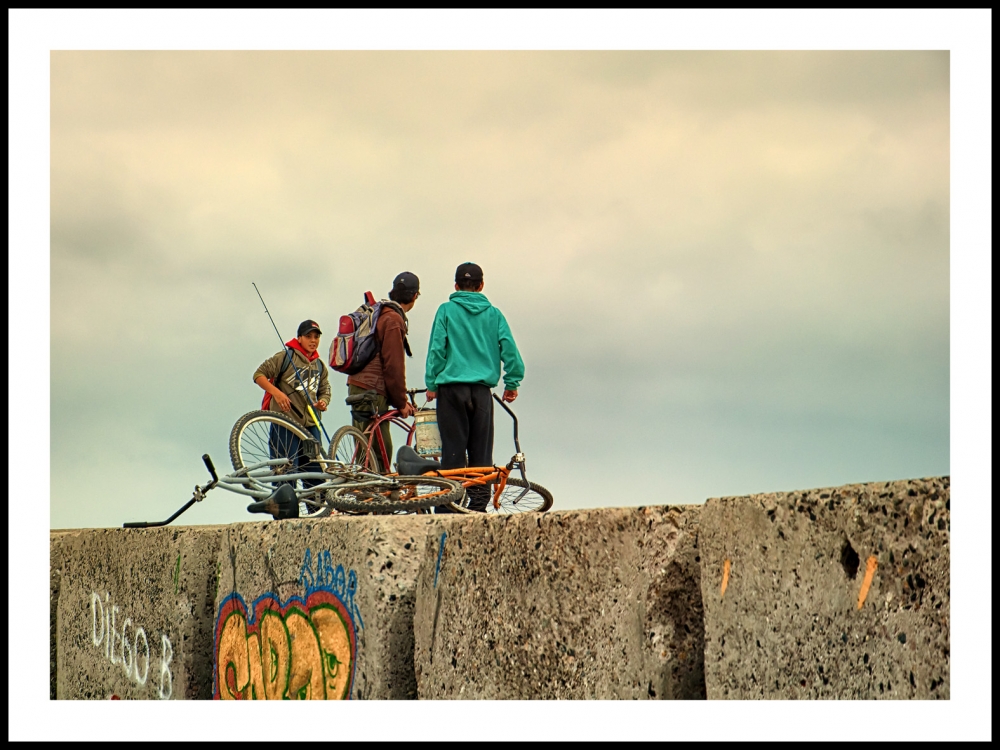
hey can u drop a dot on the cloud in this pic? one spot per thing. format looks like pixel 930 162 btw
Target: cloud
pixel 727 246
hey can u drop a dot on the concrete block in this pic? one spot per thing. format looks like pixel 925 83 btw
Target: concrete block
pixel 320 608
pixel 828 593
pixel 579 604
pixel 56 554
pixel 134 612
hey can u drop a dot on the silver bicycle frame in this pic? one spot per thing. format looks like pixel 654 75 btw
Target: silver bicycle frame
pixel 256 480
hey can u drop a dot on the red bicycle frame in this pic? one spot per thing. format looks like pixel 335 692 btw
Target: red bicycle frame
pixel 373 433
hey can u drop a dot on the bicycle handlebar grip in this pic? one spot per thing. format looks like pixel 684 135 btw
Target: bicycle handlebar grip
pixel 211 468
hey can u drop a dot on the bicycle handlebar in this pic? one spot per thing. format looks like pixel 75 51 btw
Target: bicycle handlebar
pixel 211 470
pixel 518 457
pixel 198 496
pixel 517 443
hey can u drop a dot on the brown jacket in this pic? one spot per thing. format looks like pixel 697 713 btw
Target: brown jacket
pixel 386 373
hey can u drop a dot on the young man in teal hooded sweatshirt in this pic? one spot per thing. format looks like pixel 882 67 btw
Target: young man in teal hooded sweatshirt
pixel 469 340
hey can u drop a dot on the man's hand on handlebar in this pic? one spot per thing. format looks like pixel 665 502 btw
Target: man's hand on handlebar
pixel 407 410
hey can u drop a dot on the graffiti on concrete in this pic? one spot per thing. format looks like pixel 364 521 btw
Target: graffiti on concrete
pixel 301 649
pixel 870 566
pixel 126 645
pixel 726 566
pixel 322 576
pixel 437 567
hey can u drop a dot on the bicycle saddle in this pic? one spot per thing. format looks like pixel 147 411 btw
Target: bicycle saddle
pixel 358 398
pixel 408 463
pixel 281 504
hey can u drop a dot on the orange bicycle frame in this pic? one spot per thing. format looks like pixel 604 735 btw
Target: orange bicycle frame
pixel 474 476
pixel 469 477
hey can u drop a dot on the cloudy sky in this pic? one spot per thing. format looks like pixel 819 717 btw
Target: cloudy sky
pixel 727 272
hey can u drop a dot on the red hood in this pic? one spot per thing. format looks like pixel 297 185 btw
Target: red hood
pixel 294 344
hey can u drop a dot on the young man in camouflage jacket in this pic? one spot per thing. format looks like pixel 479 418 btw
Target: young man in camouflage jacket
pixel 284 392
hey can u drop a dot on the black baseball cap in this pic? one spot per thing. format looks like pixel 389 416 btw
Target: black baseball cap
pixel 406 282
pixel 306 326
pixel 468 272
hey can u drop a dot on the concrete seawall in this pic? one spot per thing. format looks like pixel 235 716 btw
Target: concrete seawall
pixel 597 604
pixel 134 612
pixel 833 593
pixel 752 597
pixel 323 607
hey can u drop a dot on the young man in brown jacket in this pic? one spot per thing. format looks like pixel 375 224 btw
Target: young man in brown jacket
pixel 386 373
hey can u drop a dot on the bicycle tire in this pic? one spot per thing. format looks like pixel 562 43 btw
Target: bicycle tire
pixel 538 500
pixel 249 443
pixel 349 446
pixel 417 493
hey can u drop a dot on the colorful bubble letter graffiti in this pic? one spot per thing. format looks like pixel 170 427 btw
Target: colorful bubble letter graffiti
pixel 302 649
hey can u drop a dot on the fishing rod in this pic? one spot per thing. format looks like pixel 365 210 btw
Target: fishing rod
pixel 291 360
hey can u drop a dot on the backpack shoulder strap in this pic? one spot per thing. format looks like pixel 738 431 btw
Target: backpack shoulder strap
pixel 284 365
pixel 395 306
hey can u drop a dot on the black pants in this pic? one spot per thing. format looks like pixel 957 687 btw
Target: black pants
pixel 465 420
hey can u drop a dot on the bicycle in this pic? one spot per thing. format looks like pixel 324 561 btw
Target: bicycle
pixel 275 489
pixel 351 445
pixel 259 436
pixel 509 495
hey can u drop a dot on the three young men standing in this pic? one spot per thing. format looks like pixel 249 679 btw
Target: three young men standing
pixel 469 341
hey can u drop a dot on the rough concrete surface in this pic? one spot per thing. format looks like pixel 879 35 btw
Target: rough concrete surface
pixel 134 613
pixel 56 554
pixel 582 604
pixel 787 624
pixel 318 608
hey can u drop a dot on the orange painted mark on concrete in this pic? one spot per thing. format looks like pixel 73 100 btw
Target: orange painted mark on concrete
pixel 867 583
pixel 725 578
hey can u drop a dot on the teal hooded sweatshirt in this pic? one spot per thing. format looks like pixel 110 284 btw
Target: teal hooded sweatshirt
pixel 469 339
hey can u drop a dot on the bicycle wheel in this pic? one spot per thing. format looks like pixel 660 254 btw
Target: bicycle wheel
pixel 536 500
pixel 409 495
pixel 254 439
pixel 349 446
